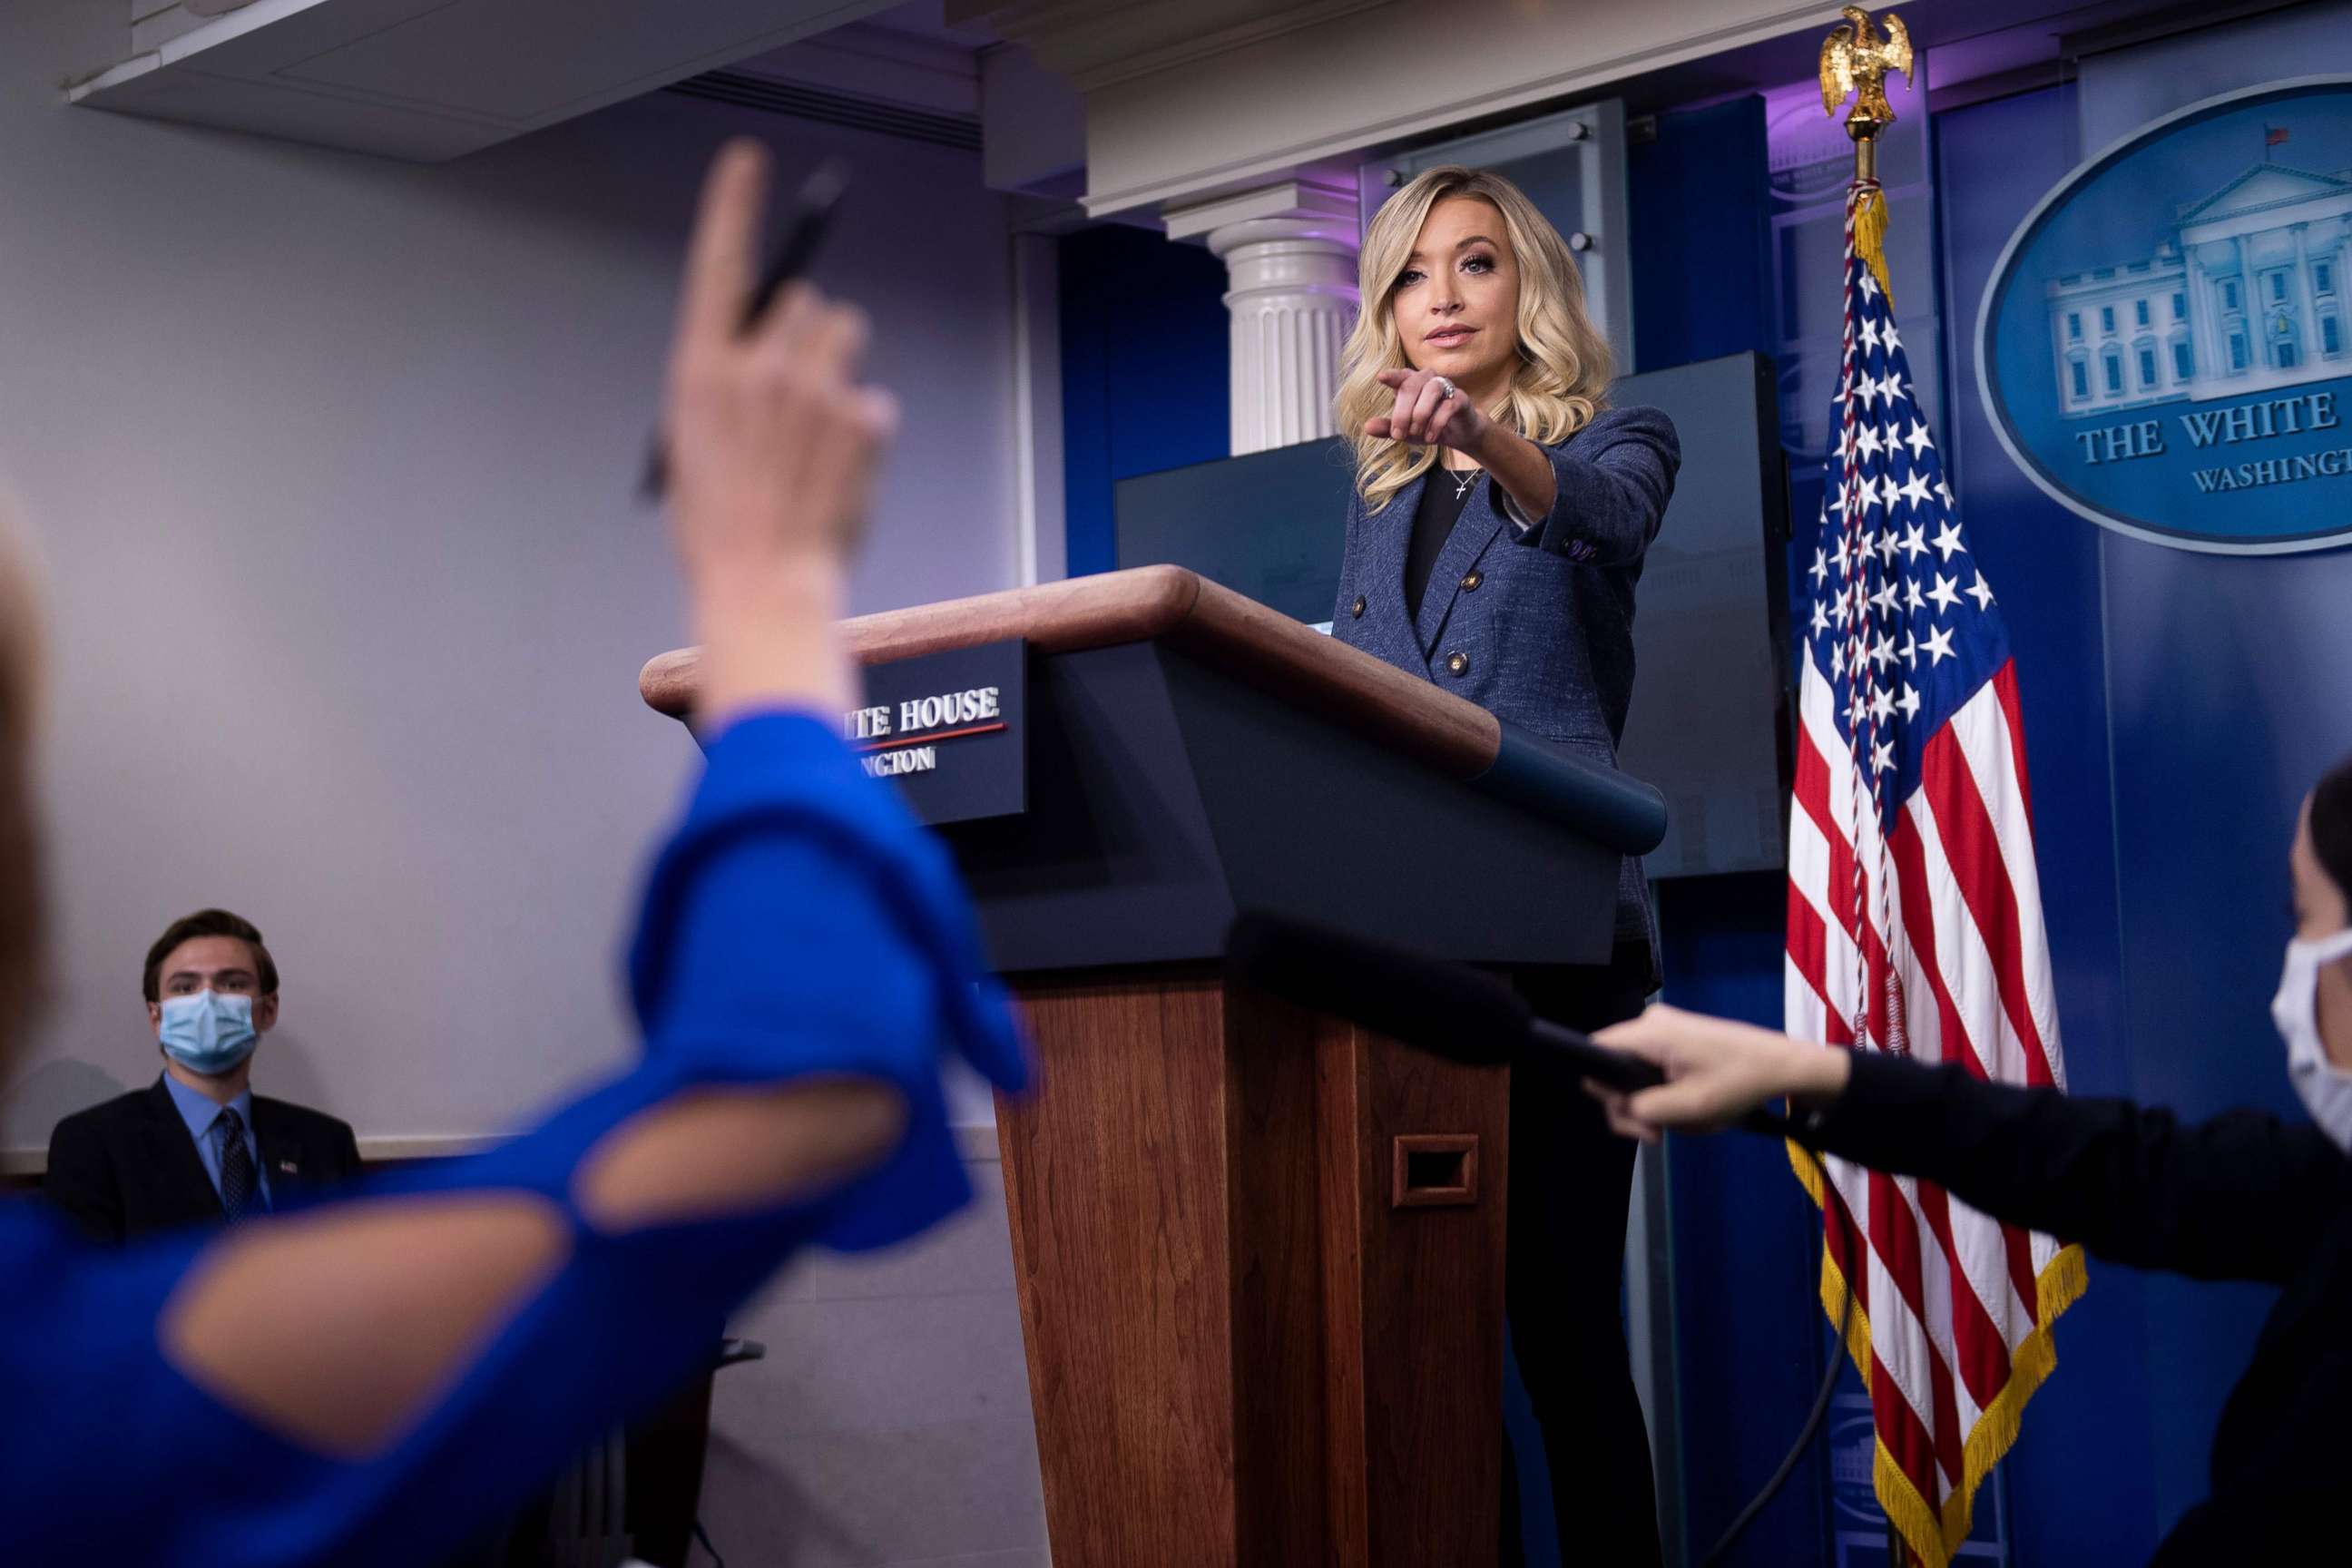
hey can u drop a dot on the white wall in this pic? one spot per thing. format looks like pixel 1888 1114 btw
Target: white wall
pixel 890 1423
pixel 333 461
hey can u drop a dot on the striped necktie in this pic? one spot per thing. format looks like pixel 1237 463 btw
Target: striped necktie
pixel 236 1171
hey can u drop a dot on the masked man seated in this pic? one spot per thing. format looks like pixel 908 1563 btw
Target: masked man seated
pixel 197 1147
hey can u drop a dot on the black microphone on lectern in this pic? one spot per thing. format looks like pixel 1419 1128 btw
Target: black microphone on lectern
pixel 1450 1010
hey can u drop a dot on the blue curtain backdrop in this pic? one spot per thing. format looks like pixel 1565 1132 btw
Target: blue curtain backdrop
pixel 1144 362
pixel 2080 1478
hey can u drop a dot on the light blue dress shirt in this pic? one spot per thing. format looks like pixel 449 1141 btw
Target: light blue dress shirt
pixel 200 1113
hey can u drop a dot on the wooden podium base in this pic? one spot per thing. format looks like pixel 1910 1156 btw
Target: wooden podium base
pixel 1260 1260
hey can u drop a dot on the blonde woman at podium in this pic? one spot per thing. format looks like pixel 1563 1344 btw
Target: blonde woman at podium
pixel 1500 517
pixel 377 1380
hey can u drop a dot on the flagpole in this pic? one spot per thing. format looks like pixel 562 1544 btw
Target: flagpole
pixel 1855 59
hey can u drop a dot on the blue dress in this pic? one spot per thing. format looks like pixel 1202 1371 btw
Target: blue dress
pixel 798 921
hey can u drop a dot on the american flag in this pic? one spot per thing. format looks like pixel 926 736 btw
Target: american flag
pixel 1915 925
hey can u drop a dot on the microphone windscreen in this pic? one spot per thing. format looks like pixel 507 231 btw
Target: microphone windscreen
pixel 1449 1009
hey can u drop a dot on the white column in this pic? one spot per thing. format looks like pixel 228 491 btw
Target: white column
pixel 1289 252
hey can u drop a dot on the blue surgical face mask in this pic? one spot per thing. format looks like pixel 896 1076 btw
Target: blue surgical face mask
pixel 206 1032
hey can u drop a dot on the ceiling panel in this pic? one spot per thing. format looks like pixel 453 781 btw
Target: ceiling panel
pixel 431 80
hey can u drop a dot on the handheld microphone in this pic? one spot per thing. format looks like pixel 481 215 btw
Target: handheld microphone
pixel 1450 1010
pixel 819 195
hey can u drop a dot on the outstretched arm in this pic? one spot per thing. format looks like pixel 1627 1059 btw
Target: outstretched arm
pixel 395 1371
pixel 771 447
pixel 1608 491
pixel 1599 498
pixel 2227 1198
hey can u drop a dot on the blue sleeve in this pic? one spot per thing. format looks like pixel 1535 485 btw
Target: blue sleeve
pixel 1611 483
pixel 722 933
pixel 798 922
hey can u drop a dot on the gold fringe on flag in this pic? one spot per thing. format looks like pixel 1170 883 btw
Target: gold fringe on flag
pixel 1933 1534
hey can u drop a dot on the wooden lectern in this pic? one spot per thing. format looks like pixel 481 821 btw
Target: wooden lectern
pixel 1259 1251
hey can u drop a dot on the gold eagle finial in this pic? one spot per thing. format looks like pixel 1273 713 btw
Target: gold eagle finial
pixel 1854 57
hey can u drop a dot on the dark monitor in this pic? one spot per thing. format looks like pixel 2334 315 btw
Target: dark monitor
pixel 1710 689
pixel 1269 525
pixel 1711 708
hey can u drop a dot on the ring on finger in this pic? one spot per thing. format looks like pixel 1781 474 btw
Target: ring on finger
pixel 1446 387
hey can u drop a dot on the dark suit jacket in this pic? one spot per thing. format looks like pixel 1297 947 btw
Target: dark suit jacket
pixel 127 1168
pixel 1536 628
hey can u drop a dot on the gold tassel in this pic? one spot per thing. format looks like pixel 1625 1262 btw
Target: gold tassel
pixel 1869 237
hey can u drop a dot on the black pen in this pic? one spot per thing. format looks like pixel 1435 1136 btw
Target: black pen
pixel 820 193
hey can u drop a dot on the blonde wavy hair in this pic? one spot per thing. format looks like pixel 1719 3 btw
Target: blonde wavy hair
pixel 1562 378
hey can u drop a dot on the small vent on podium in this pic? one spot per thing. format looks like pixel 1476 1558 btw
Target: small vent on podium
pixel 771 97
pixel 1434 1170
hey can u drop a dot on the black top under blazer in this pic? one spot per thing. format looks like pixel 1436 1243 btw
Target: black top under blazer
pixel 128 1168
pixel 1537 627
pixel 2243 1196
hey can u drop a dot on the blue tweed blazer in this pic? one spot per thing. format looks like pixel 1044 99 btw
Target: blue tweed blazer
pixel 1536 625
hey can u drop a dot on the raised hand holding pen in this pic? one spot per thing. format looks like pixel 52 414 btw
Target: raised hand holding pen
pixel 772 446
pixel 819 195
